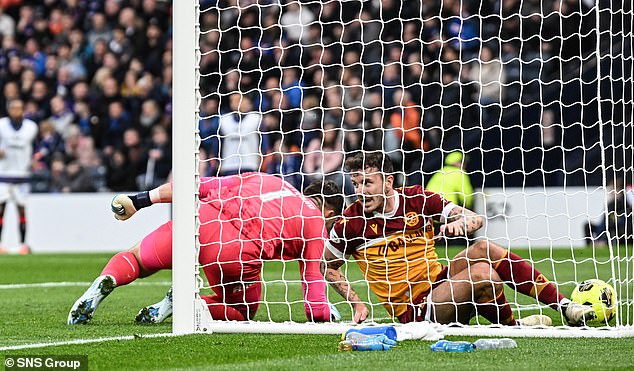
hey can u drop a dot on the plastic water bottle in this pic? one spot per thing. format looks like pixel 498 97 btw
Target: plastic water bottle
pixel 484 344
pixel 388 331
pixel 452 346
pixel 356 341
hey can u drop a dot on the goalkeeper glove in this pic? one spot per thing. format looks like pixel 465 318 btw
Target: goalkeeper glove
pixel 124 206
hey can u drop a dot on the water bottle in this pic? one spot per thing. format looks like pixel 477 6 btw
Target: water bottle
pixel 356 341
pixel 484 344
pixel 388 331
pixel 452 346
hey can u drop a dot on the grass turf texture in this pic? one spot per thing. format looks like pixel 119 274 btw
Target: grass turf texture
pixel 37 315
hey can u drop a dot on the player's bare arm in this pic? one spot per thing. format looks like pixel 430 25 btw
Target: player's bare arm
pixel 340 283
pixel 460 222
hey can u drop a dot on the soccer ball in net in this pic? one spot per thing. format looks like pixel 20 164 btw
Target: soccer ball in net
pixel 600 295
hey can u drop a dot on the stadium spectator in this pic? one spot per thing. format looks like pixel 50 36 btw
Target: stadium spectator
pixel 135 151
pixel 616 222
pixel 7 24
pixel 61 116
pixel 72 177
pixel 159 160
pixel 149 117
pixel 99 29
pixel 324 156
pixel 295 19
pixel 286 225
pixel 452 181
pixel 17 136
pixel 11 91
pixel 284 162
pixel 292 87
pixel 380 135
pixel 48 144
pixel 114 125
pixel 118 177
pixel 490 75
pixel 405 116
pixel 551 137
pixel 240 144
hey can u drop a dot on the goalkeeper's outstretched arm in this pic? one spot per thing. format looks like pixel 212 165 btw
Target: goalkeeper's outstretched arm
pixel 124 206
pixel 340 283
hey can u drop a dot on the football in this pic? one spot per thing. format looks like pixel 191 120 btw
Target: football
pixel 600 295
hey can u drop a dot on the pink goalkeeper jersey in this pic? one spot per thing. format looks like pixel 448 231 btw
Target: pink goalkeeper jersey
pixel 278 220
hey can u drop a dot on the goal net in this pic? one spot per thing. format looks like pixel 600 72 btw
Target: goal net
pixel 533 99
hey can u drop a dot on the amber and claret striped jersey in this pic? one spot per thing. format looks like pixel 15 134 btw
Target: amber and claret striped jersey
pixel 395 251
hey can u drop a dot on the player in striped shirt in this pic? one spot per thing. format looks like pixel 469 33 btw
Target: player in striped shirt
pixel 390 233
pixel 244 220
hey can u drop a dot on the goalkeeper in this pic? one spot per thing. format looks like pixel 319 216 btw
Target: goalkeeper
pixel 244 219
pixel 390 234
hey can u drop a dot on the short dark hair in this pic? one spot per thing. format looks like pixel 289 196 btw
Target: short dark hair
pixel 329 193
pixel 369 160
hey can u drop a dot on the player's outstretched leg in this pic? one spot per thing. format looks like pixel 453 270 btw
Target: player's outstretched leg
pixel 122 269
pixel 455 300
pixel 156 313
pixel 151 255
pixel 524 278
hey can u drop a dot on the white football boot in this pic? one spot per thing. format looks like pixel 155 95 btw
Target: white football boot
pixel 335 315
pixel 156 313
pixel 84 308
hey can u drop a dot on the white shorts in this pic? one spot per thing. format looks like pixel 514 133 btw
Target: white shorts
pixel 18 193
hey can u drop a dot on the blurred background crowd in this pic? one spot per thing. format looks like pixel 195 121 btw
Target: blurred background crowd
pixel 96 78
pixel 291 88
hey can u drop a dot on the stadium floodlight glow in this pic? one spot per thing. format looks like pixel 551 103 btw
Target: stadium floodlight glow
pixel 539 99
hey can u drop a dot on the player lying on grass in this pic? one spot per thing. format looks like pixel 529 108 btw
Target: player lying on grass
pixel 389 232
pixel 244 219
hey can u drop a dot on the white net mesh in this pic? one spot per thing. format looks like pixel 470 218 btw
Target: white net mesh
pixel 539 112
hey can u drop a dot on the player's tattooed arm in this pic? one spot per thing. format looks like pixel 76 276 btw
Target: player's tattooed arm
pixel 339 282
pixel 461 222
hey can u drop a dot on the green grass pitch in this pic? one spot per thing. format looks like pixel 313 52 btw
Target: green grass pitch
pixel 38 315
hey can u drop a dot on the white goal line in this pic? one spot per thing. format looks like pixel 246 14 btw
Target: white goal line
pixel 84 341
pixel 72 284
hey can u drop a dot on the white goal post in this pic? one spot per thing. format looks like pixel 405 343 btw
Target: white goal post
pixel 536 96
pixel 185 176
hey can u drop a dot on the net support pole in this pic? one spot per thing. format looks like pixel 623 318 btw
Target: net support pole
pixel 184 133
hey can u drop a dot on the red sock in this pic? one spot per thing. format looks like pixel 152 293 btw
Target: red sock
pixel 123 267
pixel 497 310
pixel 221 311
pixel 524 278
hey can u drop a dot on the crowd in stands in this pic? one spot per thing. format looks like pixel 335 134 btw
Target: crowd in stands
pixel 327 79
pixel 96 77
pixel 301 83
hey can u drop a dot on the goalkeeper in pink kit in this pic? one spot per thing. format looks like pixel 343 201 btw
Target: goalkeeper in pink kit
pixel 244 220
